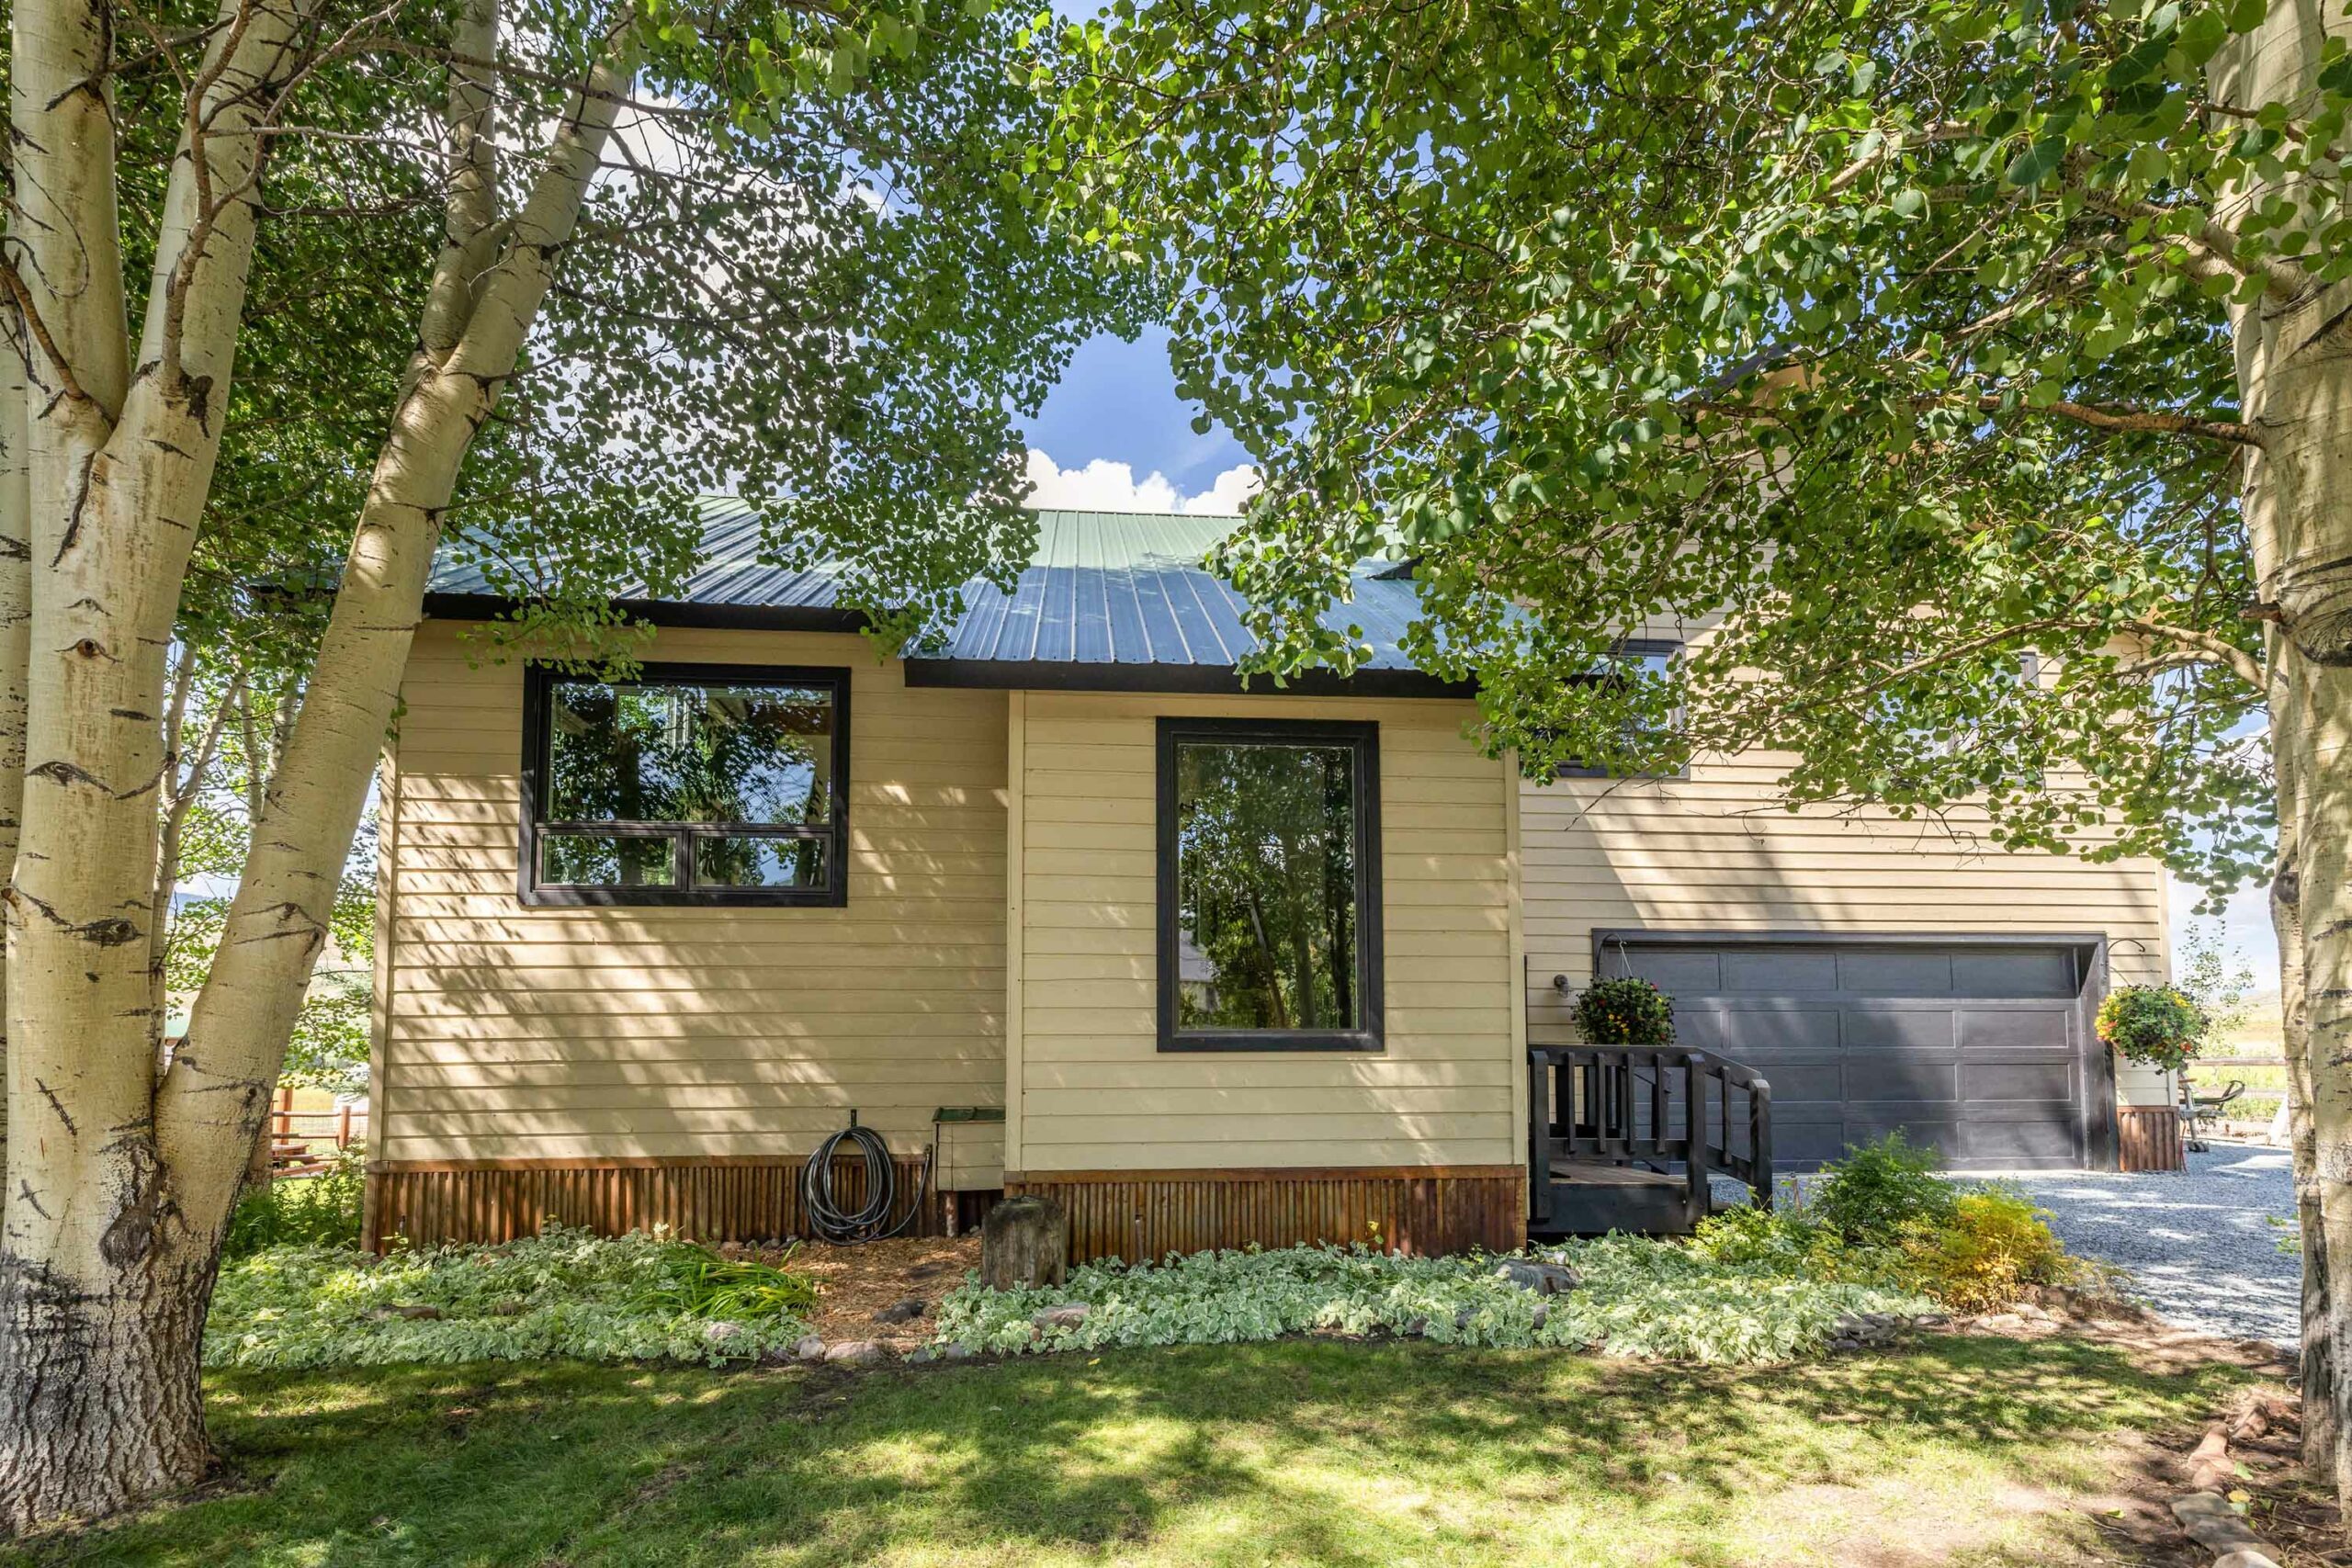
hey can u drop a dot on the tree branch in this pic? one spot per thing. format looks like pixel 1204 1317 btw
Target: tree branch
pixel 2212 250
pixel 2122 421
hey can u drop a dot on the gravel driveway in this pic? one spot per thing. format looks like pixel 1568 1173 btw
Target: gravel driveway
pixel 2200 1244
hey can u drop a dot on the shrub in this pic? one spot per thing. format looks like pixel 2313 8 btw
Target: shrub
pixel 1792 1242
pixel 1625 1011
pixel 1879 1190
pixel 1640 1297
pixel 314 1211
pixel 562 1294
pixel 1983 1256
pixel 2155 1024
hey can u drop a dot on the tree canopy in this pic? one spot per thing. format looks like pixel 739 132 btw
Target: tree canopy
pixel 1893 341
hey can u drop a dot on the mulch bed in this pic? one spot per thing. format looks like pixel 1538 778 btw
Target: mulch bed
pixel 853 1284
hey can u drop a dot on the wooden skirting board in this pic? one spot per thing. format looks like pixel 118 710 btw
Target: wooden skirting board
pixel 1145 1215
pixel 712 1198
pixel 1130 1215
pixel 2148 1138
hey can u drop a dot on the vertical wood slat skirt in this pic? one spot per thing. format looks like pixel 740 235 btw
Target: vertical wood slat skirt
pixel 2148 1137
pixel 714 1199
pixel 1130 1215
pixel 1141 1215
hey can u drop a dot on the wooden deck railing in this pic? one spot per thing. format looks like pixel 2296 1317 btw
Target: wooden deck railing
pixel 1653 1106
pixel 293 1146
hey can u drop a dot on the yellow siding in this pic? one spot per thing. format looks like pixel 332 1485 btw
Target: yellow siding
pixel 1714 852
pixel 1097 1094
pixel 516 1032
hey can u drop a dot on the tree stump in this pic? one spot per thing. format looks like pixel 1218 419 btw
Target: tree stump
pixel 1024 1243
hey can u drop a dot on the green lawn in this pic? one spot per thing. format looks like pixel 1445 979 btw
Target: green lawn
pixel 1955 1450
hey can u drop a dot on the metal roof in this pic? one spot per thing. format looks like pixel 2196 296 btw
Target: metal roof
pixel 1124 588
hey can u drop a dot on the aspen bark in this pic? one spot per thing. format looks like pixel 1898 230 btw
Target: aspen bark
pixel 2294 369
pixel 104 1280
pixel 16 619
pixel 494 278
pixel 2320 1431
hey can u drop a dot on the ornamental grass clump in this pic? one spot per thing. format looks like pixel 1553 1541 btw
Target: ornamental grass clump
pixel 562 1294
pixel 1639 1298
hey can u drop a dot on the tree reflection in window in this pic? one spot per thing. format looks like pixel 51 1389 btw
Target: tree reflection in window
pixel 682 783
pixel 1266 887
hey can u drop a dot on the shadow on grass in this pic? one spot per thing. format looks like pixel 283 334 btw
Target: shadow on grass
pixel 1306 1452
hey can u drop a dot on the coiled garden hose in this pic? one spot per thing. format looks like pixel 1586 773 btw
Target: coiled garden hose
pixel 821 1206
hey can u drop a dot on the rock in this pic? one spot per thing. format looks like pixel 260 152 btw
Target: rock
pixel 1543 1278
pixel 920 1355
pixel 1070 1315
pixel 2245 1558
pixel 853 1352
pixel 2001 1322
pixel 2031 1312
pixel 1417 1327
pixel 1864 1329
pixel 415 1314
pixel 1461 1319
pixel 720 1332
pixel 1025 1244
pixel 905 1311
pixel 1542 1314
pixel 809 1347
pixel 959 1352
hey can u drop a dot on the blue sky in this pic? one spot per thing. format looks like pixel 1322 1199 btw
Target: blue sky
pixel 1114 436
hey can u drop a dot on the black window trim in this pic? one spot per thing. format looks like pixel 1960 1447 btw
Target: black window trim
pixel 1362 738
pixel 536 681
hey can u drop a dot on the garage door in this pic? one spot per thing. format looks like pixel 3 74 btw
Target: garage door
pixel 1981 1050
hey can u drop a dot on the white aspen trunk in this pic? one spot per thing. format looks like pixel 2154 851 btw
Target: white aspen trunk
pixel 277 921
pixel 15 624
pixel 2317 1378
pixel 2294 362
pixel 103 1282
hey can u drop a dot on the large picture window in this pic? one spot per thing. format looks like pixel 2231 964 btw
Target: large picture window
pixel 693 783
pixel 1269 885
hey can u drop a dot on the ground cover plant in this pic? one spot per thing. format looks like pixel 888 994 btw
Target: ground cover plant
pixel 1638 1297
pixel 1972 1450
pixel 561 1294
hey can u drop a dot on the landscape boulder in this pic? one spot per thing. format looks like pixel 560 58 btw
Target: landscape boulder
pixel 1543 1278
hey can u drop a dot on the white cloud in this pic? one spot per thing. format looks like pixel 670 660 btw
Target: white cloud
pixel 1105 486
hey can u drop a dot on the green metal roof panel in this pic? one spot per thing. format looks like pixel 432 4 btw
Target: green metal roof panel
pixel 1100 588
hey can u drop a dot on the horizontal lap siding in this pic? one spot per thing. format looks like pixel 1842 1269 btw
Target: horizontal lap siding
pixel 1714 852
pixel 587 1034
pixel 1098 1095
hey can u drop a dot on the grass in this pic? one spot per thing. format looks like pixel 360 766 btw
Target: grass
pixel 1953 1451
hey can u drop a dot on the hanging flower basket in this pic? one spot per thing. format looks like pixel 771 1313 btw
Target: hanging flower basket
pixel 2155 1024
pixel 1625 1011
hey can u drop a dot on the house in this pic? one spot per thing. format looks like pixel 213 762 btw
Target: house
pixel 643 947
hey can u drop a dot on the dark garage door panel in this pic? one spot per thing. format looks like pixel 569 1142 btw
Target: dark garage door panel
pixel 1979 1051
